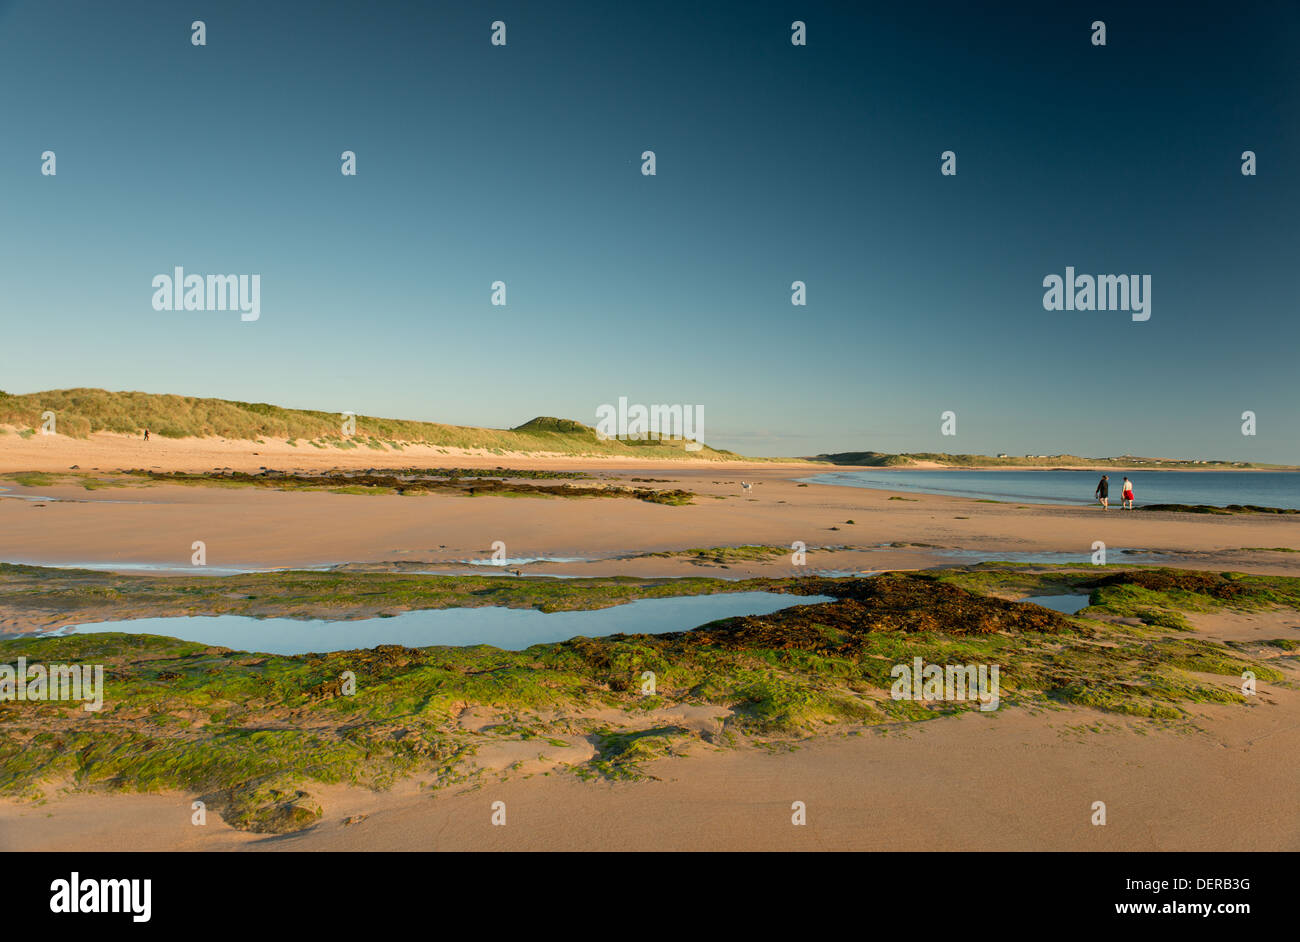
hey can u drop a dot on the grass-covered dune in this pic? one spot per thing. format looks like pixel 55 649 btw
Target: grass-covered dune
pixel 253 734
pixel 81 412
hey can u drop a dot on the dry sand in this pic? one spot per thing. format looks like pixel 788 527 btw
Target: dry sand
pixel 108 451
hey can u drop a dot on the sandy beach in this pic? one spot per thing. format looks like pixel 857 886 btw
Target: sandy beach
pixel 256 528
pixel 1016 780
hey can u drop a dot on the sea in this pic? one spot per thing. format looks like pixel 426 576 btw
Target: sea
pixel 1215 488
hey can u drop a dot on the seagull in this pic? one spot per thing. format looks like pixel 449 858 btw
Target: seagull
pixel 748 487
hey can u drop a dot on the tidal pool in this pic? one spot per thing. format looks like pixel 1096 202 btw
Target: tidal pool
pixel 509 628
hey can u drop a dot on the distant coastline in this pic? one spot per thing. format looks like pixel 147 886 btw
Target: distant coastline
pixel 931 461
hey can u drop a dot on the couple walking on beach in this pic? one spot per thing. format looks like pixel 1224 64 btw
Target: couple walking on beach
pixel 1103 492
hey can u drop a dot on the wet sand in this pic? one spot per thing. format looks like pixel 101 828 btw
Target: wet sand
pixel 1010 781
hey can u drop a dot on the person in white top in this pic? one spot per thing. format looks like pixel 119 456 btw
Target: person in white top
pixel 1128 494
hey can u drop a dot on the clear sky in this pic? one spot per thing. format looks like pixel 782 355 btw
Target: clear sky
pixel 775 163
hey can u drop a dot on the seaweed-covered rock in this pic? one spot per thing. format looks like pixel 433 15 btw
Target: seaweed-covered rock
pixel 890 602
pixel 1213 584
pixel 267 810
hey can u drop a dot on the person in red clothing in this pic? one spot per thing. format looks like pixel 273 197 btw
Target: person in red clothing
pixel 1128 494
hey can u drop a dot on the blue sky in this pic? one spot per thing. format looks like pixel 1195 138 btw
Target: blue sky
pixel 775 163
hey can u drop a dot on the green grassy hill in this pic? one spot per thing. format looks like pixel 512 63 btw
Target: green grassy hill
pixel 81 412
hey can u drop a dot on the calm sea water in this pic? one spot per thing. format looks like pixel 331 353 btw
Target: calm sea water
pixel 510 628
pixel 1216 488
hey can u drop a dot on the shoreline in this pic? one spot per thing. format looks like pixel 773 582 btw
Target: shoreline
pixel 262 528
pixel 1062 467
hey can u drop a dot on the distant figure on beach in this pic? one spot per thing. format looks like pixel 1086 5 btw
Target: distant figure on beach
pixel 1103 491
pixel 146 434
pixel 747 486
pixel 1128 494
